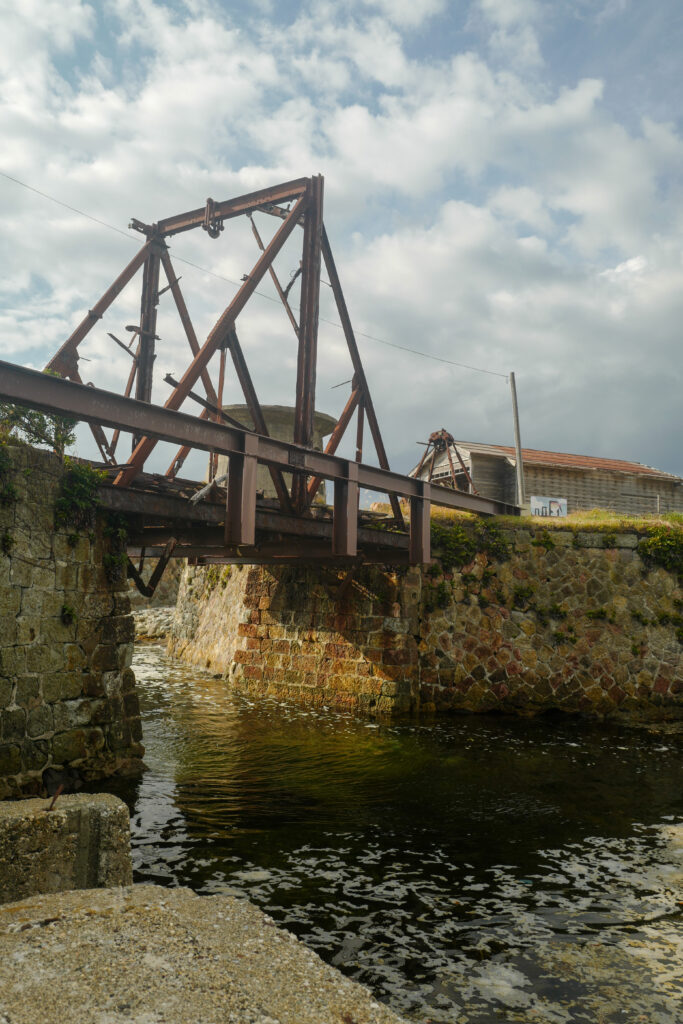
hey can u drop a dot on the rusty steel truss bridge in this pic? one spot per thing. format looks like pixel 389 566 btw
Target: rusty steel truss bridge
pixel 235 523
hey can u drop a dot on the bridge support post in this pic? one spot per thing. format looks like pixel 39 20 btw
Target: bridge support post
pixel 345 523
pixel 240 508
pixel 420 516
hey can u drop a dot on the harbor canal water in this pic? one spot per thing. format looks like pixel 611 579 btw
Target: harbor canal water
pixel 471 869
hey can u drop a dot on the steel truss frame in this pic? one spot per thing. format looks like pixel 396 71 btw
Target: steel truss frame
pixel 245 450
pixel 239 530
pixel 305 196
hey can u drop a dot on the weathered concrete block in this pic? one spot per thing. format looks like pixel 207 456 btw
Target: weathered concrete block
pixel 83 843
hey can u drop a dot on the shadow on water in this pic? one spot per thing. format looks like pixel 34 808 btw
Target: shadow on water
pixel 471 869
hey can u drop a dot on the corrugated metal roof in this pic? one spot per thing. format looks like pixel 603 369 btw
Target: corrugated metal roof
pixel 559 460
pixel 537 457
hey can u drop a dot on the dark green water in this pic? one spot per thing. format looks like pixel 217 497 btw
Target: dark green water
pixel 472 869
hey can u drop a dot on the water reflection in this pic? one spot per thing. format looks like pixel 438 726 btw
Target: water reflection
pixel 472 869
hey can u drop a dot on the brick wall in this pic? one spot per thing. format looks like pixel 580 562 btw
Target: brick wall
pixel 574 622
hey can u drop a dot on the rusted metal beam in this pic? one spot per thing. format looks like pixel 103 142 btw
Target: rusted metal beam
pixel 345 522
pixel 106 451
pixel 186 321
pixel 182 453
pixel 240 508
pixel 234 207
pixel 420 525
pixel 308 332
pixel 359 432
pixel 147 332
pixel 259 420
pixel 129 387
pixel 52 394
pixel 210 533
pixel 357 365
pixel 335 438
pixel 213 459
pixel 216 337
pixel 275 279
pixel 216 412
pixel 147 589
pixel 65 361
pixel 310 555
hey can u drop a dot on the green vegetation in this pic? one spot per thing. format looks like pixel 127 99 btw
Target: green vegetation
pixel 37 428
pixel 77 503
pixel 6 543
pixel 459 539
pixel 596 613
pixel 8 492
pixel 543 540
pixel 664 547
pixel 436 596
pixel 521 596
pixel 68 614
pixel 115 561
pixel 215 576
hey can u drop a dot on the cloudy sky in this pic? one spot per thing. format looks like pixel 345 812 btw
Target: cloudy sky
pixel 502 190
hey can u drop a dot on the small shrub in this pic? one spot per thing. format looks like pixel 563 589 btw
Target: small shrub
pixel 435 596
pixel 37 428
pixel 6 543
pixel 455 545
pixel 541 615
pixel 78 501
pixel 521 596
pixel 68 614
pixel 115 561
pixel 664 547
pixel 543 540
pixel 596 613
pixel 490 540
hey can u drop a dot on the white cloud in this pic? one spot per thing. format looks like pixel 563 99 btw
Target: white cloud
pixel 506 13
pixel 406 13
pixel 478 209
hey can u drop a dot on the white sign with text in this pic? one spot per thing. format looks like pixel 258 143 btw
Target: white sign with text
pixel 553 508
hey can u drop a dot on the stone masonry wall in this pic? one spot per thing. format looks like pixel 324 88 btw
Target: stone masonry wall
pixel 289 633
pixel 574 621
pixel 67 692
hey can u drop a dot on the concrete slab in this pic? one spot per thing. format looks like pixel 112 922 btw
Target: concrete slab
pixel 84 842
pixel 147 955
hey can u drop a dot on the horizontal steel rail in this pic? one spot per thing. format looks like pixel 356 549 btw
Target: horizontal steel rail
pixel 94 405
pixel 230 208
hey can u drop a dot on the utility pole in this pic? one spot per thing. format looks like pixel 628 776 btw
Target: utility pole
pixel 518 444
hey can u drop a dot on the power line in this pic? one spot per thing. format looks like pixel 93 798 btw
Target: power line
pixel 263 295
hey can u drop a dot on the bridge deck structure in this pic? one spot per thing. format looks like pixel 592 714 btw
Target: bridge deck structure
pixel 235 523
